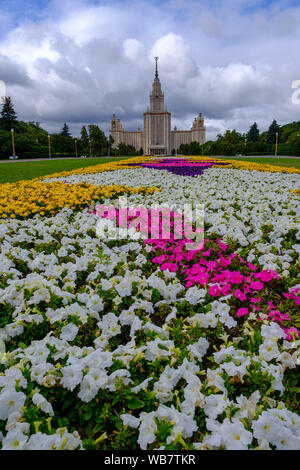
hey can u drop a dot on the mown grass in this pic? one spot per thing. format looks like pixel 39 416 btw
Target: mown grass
pixel 18 170
pixel 288 162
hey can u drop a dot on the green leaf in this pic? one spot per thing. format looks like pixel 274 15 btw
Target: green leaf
pixel 135 403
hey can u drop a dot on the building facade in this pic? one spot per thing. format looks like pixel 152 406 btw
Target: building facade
pixel 157 138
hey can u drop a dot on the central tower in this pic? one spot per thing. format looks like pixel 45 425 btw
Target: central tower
pixel 157 121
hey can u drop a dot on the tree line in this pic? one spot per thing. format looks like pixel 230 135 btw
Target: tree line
pixel 253 142
pixel 32 141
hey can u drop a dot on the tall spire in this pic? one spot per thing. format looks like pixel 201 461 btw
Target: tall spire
pixel 156 71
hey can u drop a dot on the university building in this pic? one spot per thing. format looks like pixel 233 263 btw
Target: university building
pixel 157 137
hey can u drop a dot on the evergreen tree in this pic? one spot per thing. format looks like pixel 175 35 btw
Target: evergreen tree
pixel 84 141
pixel 271 136
pixel 65 130
pixel 8 118
pixel 253 134
pixel 98 141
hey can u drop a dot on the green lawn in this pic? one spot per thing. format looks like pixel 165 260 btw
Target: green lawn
pixel 295 162
pixel 18 170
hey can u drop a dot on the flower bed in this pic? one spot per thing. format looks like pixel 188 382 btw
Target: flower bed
pixel 142 344
pixel 28 198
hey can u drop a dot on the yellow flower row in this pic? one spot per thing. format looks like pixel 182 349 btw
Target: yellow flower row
pixel 100 168
pixel 27 198
pixel 296 191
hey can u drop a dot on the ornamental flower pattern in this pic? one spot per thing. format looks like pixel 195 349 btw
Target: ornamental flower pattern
pixel 114 344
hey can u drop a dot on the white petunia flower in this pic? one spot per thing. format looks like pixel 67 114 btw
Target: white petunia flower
pixel 268 350
pixel 40 401
pixel 215 405
pixel 129 420
pixel 10 402
pixel 69 332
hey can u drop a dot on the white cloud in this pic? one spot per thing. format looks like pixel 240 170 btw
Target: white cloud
pixel 133 49
pixel 175 58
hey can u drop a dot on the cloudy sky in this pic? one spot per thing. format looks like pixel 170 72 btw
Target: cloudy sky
pixel 78 61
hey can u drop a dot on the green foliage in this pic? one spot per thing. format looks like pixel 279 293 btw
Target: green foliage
pixel 253 143
pixel 194 148
pixel 62 144
pixel 230 144
pixel 124 149
pixel 8 118
pixel 65 130
pixel 98 141
pixel 253 133
pixel 84 142
pixel 271 136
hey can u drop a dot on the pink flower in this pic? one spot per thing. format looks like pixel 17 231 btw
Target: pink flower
pixel 255 300
pixel 256 285
pixel 240 295
pixel 291 333
pixel 222 245
pixel 211 265
pixel 242 312
pixel 172 267
pixel 201 278
pixel 278 316
pixel 214 290
pixel 224 262
pixel 206 253
pixel 226 288
pixel 235 277
pixel 267 275
pixel 252 267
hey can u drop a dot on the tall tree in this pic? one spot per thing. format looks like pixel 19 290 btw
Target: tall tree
pixel 84 141
pixel 8 118
pixel 253 134
pixel 271 136
pixel 65 130
pixel 98 141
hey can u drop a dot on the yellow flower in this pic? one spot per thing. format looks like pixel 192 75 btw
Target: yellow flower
pixel 25 198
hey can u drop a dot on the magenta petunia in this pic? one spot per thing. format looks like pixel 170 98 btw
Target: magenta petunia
pixel 242 312
pixel 214 291
pixel 240 295
pixel 256 285
pixel 172 267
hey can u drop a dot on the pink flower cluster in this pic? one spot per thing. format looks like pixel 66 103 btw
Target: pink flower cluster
pixel 214 265
pixel 217 269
